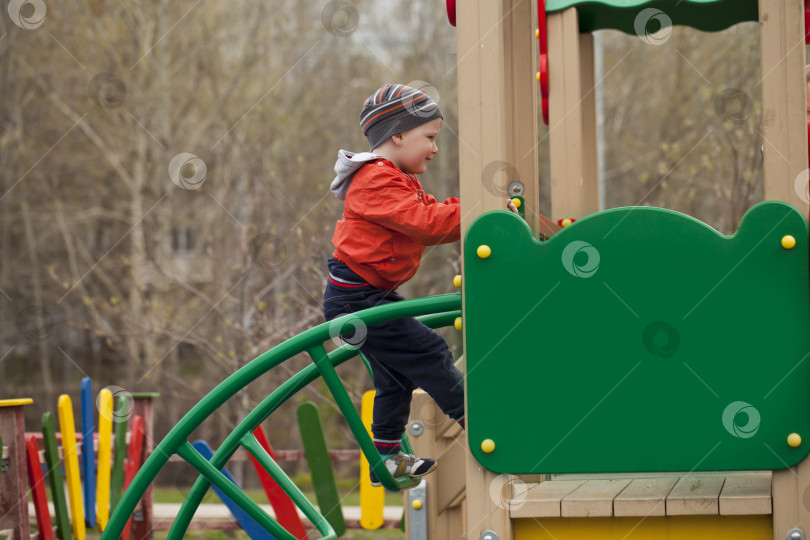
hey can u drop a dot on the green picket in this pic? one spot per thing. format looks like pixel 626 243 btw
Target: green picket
pixel 117 477
pixel 54 465
pixel 320 466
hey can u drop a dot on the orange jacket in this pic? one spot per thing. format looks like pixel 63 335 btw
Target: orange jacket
pixel 387 222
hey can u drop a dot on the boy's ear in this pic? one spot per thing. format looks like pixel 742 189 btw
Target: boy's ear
pixel 397 139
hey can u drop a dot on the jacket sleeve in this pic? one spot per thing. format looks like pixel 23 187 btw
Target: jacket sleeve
pixel 388 200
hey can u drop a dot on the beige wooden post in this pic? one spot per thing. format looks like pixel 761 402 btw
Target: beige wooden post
pixel 497 145
pixel 784 124
pixel 438 437
pixel 572 118
pixel 14 476
pixel 784 132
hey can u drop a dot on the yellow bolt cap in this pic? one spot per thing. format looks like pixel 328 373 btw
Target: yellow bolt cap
pixel 457 323
pixel 566 222
pixel 416 504
pixel 484 251
pixel 788 242
pixel 538 76
pixel 537 33
pixel 794 440
pixel 457 281
pixel 516 202
pixel 488 446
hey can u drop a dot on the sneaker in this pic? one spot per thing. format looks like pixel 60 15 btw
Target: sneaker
pixel 402 464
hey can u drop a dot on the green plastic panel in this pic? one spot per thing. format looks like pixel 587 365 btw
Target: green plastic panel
pixel 638 339
pixel 641 17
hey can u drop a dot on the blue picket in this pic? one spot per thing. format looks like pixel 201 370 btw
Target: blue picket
pixel 88 452
pixel 251 528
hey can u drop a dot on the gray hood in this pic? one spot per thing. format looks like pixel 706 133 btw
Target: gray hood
pixel 347 164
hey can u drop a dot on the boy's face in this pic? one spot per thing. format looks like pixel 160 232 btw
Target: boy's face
pixel 417 146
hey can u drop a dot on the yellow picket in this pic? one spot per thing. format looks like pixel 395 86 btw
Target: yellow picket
pixel 70 452
pixel 372 499
pixel 105 416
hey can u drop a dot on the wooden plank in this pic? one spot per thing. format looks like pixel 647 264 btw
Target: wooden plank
pixel 13 489
pixel 37 483
pixel 590 154
pixel 55 477
pixel 142 519
pixel 784 124
pixel 695 495
pixel 593 498
pixel 250 526
pixel 68 428
pixel 119 452
pixel 543 500
pixel 323 476
pixel 803 484
pixel 746 494
pixel 565 115
pixel 133 464
pixel 88 456
pixel 521 108
pixel 644 497
pixel 105 418
pixel 283 507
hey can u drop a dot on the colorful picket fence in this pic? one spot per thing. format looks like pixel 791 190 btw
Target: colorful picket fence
pixel 94 478
pixel 94 484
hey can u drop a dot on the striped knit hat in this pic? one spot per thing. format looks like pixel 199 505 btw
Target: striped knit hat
pixel 395 108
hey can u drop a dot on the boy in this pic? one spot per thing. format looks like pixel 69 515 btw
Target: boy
pixel 387 222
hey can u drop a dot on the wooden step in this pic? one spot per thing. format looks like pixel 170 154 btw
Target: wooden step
pixel 651 494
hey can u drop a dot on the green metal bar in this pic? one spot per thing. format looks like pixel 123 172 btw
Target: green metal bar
pixel 269 464
pixel 286 390
pixel 344 403
pixel 232 442
pixel 196 460
pixel 178 435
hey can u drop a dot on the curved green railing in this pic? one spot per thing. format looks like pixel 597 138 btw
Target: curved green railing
pixel 435 311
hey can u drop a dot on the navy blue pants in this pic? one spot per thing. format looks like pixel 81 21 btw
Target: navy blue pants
pixel 404 355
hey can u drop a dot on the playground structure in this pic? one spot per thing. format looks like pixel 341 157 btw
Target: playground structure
pixel 689 415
